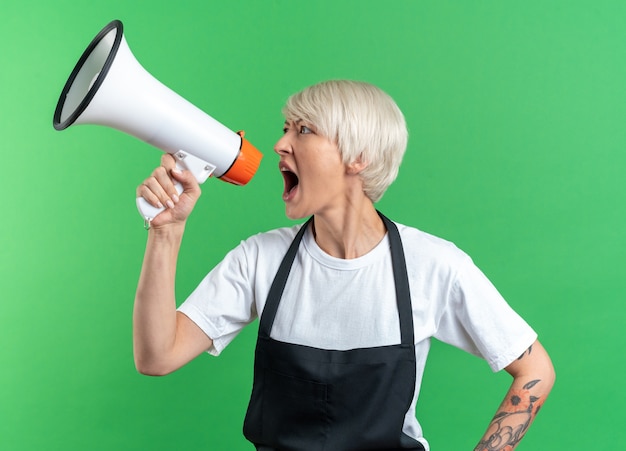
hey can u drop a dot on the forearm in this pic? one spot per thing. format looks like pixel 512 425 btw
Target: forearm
pixel 513 418
pixel 530 388
pixel 154 315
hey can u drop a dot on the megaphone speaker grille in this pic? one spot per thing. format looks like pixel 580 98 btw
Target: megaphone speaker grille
pixel 88 75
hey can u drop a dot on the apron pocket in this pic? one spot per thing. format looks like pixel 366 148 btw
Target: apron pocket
pixel 295 413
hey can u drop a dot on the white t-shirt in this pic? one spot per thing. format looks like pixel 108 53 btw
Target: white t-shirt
pixel 332 303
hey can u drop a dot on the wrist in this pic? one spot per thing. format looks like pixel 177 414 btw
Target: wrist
pixel 172 232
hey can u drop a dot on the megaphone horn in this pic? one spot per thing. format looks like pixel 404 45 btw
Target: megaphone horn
pixel 109 87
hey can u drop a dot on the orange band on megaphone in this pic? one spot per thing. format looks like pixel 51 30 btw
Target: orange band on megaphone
pixel 245 165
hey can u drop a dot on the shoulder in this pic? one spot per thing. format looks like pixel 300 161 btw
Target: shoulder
pixel 430 248
pixel 272 242
pixel 256 256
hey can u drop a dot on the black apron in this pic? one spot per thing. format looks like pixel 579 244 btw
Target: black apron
pixel 309 399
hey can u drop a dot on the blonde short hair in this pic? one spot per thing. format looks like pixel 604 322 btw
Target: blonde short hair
pixel 362 120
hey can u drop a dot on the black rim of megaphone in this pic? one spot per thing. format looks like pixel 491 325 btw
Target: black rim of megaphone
pixel 115 24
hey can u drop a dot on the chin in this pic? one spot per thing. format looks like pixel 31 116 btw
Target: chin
pixel 295 216
pixel 292 214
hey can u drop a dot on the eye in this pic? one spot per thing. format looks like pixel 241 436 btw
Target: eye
pixel 304 130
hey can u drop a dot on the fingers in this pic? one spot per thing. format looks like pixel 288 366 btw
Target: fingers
pixel 155 193
pixel 168 161
pixel 163 175
pixel 171 189
pixel 187 180
pixel 159 189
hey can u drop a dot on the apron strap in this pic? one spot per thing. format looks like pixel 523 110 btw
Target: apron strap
pixel 401 280
pixel 278 285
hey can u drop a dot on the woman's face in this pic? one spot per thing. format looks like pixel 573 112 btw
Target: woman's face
pixel 312 169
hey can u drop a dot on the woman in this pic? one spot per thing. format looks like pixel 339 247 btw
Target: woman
pixel 347 302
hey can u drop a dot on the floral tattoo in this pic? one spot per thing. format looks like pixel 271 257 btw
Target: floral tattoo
pixel 513 418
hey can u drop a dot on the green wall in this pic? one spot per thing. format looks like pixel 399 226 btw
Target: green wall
pixel 517 154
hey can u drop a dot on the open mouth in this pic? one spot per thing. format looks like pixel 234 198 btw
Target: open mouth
pixel 291 182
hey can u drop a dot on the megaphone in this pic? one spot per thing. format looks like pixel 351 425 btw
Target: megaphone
pixel 109 87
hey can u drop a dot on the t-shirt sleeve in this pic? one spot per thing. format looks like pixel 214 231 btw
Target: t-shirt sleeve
pixel 223 303
pixel 478 320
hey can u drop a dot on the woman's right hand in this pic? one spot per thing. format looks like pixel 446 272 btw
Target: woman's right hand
pixel 159 191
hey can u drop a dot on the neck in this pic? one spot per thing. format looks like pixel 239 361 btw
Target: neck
pixel 349 233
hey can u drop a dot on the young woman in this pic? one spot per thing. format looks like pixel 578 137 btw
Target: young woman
pixel 348 301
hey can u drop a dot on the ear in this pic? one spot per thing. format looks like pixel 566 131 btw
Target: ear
pixel 356 166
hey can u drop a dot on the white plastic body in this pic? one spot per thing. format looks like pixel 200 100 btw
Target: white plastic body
pixel 131 100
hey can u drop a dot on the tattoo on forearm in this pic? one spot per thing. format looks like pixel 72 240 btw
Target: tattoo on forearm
pixel 512 420
pixel 527 352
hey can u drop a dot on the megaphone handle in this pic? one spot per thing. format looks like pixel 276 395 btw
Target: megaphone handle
pixel 147 211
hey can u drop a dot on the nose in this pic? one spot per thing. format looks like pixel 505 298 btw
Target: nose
pixel 283 145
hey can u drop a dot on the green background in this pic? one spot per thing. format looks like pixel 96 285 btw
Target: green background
pixel 517 153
